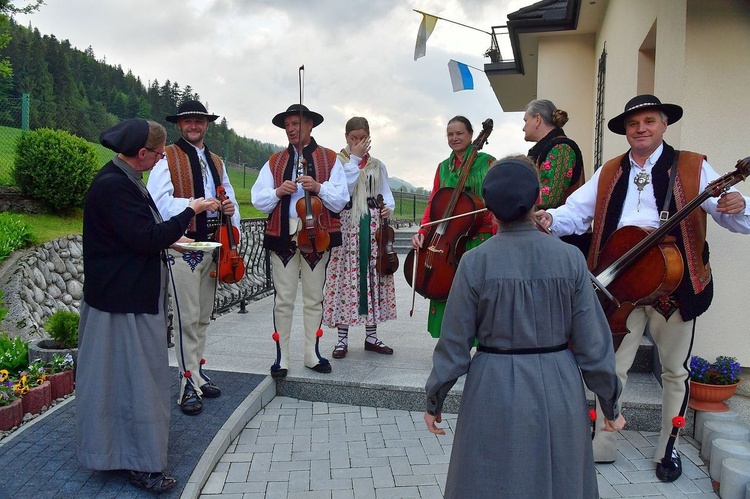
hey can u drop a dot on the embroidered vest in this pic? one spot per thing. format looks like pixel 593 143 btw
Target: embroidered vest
pixel 322 161
pixel 695 291
pixel 539 153
pixel 187 179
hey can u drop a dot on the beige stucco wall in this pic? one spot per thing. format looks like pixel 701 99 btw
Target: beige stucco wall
pixel 703 64
pixel 565 79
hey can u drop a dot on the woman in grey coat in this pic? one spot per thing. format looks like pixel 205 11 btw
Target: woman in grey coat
pixel 523 425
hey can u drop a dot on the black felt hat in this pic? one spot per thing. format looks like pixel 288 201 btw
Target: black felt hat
pixel 191 108
pixel 127 137
pixel 294 109
pixel 639 103
pixel 510 189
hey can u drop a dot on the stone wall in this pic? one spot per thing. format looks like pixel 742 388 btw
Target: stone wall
pixel 40 281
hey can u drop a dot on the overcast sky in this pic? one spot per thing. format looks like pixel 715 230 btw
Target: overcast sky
pixel 242 58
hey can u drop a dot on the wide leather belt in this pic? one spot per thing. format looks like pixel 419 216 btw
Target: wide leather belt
pixel 522 351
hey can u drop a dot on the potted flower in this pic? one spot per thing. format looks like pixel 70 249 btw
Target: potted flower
pixel 62 327
pixel 60 375
pixel 713 383
pixel 35 389
pixel 11 409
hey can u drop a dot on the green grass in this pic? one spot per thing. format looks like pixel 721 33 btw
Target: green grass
pixel 46 227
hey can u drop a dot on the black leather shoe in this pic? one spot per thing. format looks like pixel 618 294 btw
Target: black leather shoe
pixel 669 470
pixel 210 390
pixel 191 403
pixel 322 368
pixel 278 373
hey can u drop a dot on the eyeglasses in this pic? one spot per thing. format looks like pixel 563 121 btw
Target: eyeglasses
pixel 162 154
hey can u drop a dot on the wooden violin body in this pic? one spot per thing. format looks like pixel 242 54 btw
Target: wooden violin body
pixel 436 262
pixel 313 238
pixel 231 267
pixel 387 262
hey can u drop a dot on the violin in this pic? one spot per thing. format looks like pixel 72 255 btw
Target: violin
pixel 231 266
pixel 639 266
pixel 430 271
pixel 387 262
pixel 313 238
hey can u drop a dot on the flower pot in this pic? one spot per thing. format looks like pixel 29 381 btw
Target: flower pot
pixel 36 398
pixel 61 383
pixel 46 349
pixel 11 415
pixel 710 398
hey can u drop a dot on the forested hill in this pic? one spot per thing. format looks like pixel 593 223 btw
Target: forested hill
pixel 72 90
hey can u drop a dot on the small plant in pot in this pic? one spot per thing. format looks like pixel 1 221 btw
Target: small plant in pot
pixel 11 411
pixel 62 327
pixel 60 375
pixel 711 383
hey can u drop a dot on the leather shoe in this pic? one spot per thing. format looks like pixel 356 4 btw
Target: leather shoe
pixel 340 351
pixel 191 403
pixel 322 368
pixel 669 470
pixel 210 390
pixel 278 373
pixel 378 347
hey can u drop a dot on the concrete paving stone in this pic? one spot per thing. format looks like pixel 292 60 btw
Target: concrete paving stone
pixel 261 462
pixel 221 467
pixel 375 440
pixel 357 449
pixel 276 439
pixel 309 456
pixel 429 491
pixel 382 477
pixel 641 464
pixel 237 457
pixel 215 483
pixel 242 487
pixel 611 474
pixel 400 465
pixel 343 408
pixel 410 480
pixel 429 469
pixel 301 443
pixel 277 490
pixel 320 408
pixel 368 412
pixel 340 458
pixel 248 435
pixel 331 484
pixel 637 489
pixel 369 462
pixel 326 416
pixel 320 434
pixel 403 442
pixel 606 491
pixel 290 466
pixel 389 452
pixel 282 452
pixel 640 476
pixel 397 493
pixel 320 469
pixel 363 488
pixel 253 448
pixel 267 476
pixel 622 464
pixel 350 473
pixel 316 494
pixel 299 481
pixel 342 494
pixel 416 455
pixel 238 472
pixel 439 458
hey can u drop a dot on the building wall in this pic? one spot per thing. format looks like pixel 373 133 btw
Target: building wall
pixel 565 78
pixel 717 106
pixel 702 63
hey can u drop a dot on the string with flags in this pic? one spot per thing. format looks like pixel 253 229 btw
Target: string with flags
pixel 461 78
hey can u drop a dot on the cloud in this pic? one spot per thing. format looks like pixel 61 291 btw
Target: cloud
pixel 242 58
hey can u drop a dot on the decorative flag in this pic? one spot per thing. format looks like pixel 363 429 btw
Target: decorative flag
pixel 461 78
pixel 425 30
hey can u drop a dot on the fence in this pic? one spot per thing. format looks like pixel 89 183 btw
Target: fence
pixel 257 282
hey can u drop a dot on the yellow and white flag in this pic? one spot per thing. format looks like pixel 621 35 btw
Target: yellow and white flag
pixel 425 30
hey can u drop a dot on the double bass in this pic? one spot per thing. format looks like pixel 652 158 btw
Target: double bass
pixel 231 267
pixel 430 271
pixel 638 266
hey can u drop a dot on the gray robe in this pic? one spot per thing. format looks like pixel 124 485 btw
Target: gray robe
pixel 523 426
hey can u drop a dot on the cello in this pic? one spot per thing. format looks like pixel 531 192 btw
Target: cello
pixel 231 267
pixel 430 271
pixel 387 262
pixel 638 266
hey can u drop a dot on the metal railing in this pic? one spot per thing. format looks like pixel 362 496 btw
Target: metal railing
pixel 257 282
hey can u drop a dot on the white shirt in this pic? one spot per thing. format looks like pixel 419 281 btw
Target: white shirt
pixel 162 190
pixel 352 169
pixel 576 215
pixel 334 192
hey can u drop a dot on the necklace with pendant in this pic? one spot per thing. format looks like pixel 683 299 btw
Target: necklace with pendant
pixel 641 180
